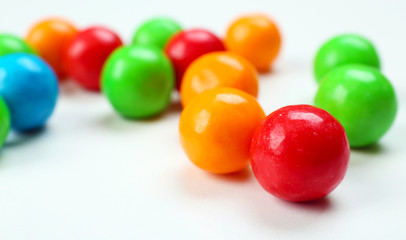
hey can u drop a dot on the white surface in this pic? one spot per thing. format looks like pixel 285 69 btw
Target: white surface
pixel 92 175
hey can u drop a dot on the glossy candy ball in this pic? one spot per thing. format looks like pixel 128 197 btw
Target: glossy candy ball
pixel 50 39
pixel 216 128
pixel 156 32
pixel 12 44
pixel 187 46
pixel 344 49
pixel 87 53
pixel 255 37
pixel 362 99
pixel 4 122
pixel 138 81
pixel 218 69
pixel 30 88
pixel 299 153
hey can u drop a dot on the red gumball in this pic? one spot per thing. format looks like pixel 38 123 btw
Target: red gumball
pixel 299 153
pixel 87 53
pixel 188 45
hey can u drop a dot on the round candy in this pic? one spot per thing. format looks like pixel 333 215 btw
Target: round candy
pixel 218 69
pixel 156 32
pixel 138 81
pixel 30 88
pixel 50 39
pixel 216 128
pixel 187 46
pixel 299 153
pixel 344 49
pixel 12 44
pixel 87 53
pixel 255 37
pixel 4 122
pixel 362 99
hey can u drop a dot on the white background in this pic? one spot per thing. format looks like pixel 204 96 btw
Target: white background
pixel 93 175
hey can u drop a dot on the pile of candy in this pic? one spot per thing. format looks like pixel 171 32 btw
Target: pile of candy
pixel 297 153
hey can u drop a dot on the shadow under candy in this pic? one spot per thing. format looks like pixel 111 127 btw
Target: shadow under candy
pixel 241 176
pixel 287 216
pixel 367 155
pixel 174 107
pixel 375 148
pixel 318 205
pixel 16 139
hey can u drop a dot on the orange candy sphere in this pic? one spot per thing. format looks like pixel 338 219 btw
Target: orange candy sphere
pixel 218 69
pixel 255 37
pixel 216 129
pixel 50 39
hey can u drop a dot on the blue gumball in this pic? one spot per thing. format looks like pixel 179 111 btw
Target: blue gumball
pixel 29 87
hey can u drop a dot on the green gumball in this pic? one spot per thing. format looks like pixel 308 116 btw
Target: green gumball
pixel 362 99
pixel 4 122
pixel 138 81
pixel 342 50
pixel 156 32
pixel 12 44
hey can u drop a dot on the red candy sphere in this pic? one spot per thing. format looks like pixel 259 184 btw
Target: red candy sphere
pixel 188 45
pixel 87 53
pixel 299 153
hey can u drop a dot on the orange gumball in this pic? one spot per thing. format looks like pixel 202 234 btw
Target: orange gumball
pixel 50 39
pixel 255 37
pixel 218 69
pixel 216 129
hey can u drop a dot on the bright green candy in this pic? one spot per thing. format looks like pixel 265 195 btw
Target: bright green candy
pixel 156 31
pixel 344 49
pixel 138 81
pixel 4 122
pixel 362 99
pixel 13 44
